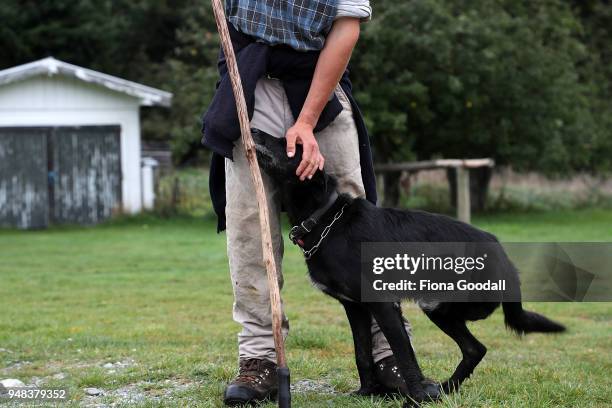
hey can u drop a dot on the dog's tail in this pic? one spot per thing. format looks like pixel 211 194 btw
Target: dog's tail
pixel 523 321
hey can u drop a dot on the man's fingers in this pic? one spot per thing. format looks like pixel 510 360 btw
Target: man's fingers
pixel 308 167
pixel 312 168
pixel 291 138
pixel 307 156
pixel 301 168
pixel 314 165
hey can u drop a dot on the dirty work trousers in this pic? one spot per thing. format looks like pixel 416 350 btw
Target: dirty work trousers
pixel 339 145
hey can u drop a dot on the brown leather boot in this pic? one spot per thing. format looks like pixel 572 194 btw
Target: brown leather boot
pixel 256 381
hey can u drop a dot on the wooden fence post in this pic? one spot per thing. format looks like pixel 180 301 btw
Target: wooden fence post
pixel 463 194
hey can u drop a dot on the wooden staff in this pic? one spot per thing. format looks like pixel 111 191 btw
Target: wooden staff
pixel 284 396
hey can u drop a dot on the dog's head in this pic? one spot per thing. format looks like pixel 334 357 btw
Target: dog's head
pixel 273 159
pixel 299 197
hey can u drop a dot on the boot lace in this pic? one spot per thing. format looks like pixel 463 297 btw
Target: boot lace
pixel 249 371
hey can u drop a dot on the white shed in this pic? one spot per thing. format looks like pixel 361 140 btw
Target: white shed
pixel 69 144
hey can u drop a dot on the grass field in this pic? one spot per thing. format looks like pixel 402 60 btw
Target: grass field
pixel 141 308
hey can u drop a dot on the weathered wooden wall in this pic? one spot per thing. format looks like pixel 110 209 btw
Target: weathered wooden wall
pixel 86 170
pixel 59 175
pixel 23 178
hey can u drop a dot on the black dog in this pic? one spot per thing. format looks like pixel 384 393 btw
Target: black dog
pixel 330 229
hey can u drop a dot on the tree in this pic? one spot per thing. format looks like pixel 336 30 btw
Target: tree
pixel 190 72
pixel 596 70
pixel 477 79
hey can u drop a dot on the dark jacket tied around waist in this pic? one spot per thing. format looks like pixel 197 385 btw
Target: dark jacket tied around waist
pixel 295 69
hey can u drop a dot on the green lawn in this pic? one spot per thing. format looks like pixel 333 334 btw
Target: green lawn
pixel 154 295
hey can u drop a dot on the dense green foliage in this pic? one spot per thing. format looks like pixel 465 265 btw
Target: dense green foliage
pixel 481 79
pixel 528 83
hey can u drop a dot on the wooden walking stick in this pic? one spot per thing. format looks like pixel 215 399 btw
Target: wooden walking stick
pixel 284 395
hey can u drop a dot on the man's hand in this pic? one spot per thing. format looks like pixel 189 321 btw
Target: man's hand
pixel 312 160
pixel 331 65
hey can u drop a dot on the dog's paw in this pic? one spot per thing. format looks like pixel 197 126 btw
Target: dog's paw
pixel 367 391
pixel 432 392
pixel 432 389
pixel 449 386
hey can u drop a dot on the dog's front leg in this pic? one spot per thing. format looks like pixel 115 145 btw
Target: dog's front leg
pixel 360 320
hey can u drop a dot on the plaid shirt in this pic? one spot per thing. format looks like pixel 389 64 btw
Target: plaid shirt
pixel 300 24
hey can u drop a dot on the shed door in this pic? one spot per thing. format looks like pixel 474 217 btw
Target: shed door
pixel 85 170
pixel 23 177
pixel 61 175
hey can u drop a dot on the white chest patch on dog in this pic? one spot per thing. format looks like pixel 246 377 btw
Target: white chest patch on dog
pixel 331 293
pixel 428 305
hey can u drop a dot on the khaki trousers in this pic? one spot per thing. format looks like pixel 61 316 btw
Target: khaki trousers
pixel 339 145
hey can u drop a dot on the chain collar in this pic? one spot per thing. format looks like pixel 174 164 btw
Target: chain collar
pixel 299 231
pixel 308 253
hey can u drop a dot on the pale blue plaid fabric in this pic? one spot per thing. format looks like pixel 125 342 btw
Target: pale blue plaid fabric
pixel 300 24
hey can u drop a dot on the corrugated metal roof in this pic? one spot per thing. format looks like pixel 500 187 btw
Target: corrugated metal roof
pixel 50 66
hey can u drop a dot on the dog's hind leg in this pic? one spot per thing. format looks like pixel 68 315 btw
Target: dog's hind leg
pixel 472 350
pixel 360 320
pixel 390 321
